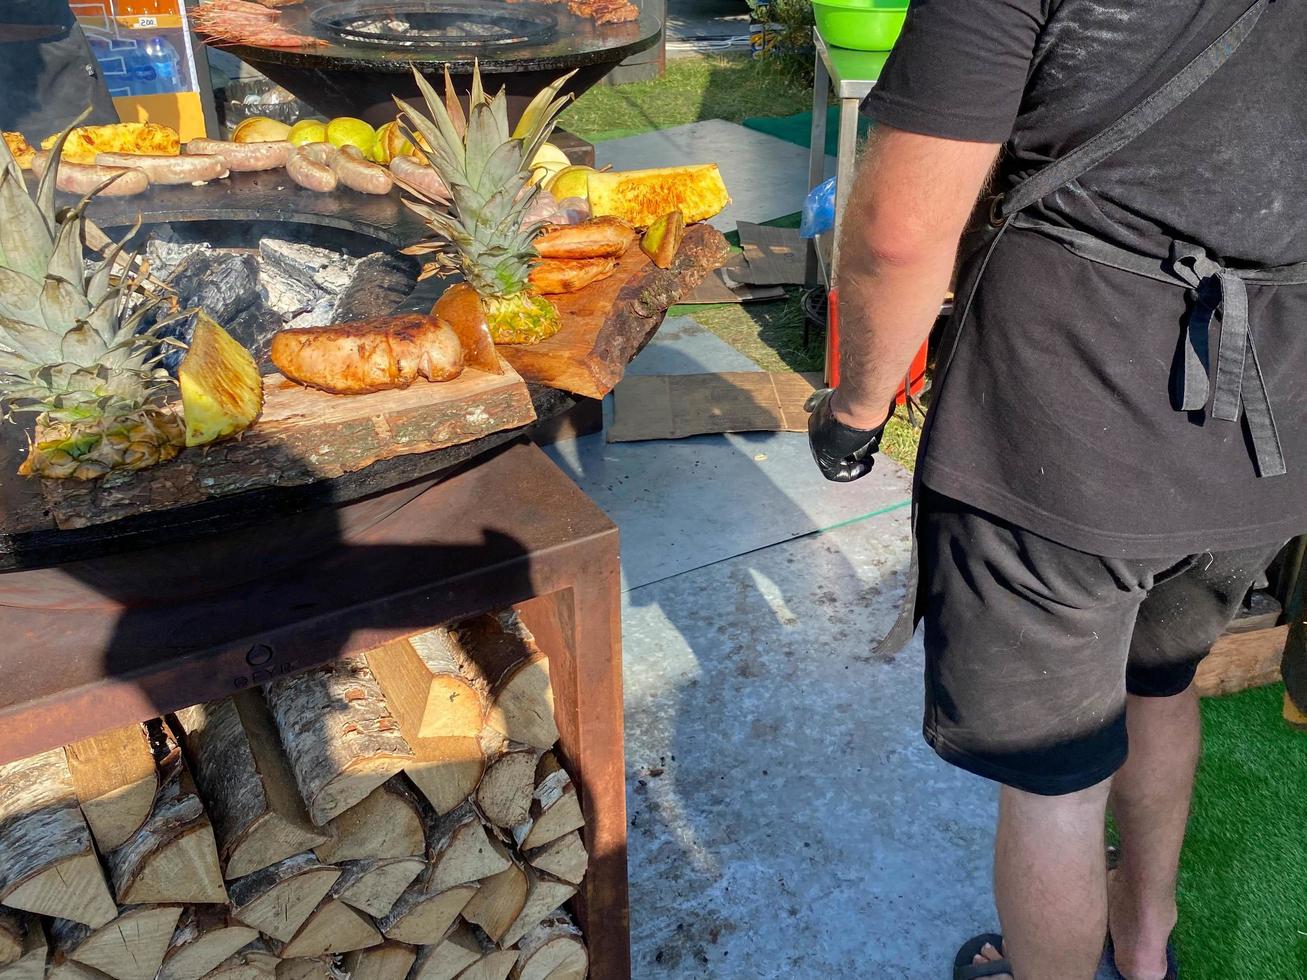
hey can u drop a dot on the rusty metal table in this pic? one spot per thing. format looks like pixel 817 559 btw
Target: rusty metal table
pixel 510 530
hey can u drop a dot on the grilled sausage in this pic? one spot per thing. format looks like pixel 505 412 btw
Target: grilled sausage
pixel 244 157
pixel 593 239
pixel 310 173
pixel 420 178
pixel 82 178
pixel 168 169
pixel 360 174
pixel 369 355
pixel 551 276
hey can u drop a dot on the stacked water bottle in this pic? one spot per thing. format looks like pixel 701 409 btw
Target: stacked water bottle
pixel 139 67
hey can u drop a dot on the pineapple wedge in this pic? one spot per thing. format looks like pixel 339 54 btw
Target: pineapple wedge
pixel 222 393
pixel 641 197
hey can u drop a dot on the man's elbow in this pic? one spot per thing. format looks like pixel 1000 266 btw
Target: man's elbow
pixel 898 243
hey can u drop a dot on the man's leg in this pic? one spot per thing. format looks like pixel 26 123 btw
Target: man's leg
pixel 1150 801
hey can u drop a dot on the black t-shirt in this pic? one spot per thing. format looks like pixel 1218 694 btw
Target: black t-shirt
pixel 48 76
pixel 1057 410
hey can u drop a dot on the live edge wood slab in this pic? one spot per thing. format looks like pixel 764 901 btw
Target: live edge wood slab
pixel 607 324
pixel 304 436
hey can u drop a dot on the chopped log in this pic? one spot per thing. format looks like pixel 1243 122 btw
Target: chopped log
pixel 521 696
pixel 277 900
pixel 254 962
pixel 552 949
pixel 506 789
pixel 375 884
pixel 29 964
pixel 387 823
pixel 446 959
pixel 258 816
pixel 13 927
pixel 555 808
pixel 305 968
pixel 62 968
pixel 494 963
pixel 173 857
pixel 333 927
pixel 423 916
pixel 499 901
pixel 460 851
pixel 47 861
pixel 340 737
pixel 131 947
pixel 1242 660
pixel 543 897
pixel 446 770
pixel 564 858
pixel 115 779
pixel 389 961
pixel 433 688
pixel 205 937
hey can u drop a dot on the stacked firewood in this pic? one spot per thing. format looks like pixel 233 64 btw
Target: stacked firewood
pixel 389 816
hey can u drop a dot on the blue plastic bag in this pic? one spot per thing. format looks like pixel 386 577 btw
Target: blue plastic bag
pixel 818 210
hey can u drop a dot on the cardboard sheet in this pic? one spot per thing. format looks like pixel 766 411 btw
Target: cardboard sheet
pixel 773 256
pixel 725 286
pixel 677 406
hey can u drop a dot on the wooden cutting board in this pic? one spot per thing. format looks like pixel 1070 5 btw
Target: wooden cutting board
pixel 304 436
pixel 607 323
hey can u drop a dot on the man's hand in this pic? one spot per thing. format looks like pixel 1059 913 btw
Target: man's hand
pixel 843 452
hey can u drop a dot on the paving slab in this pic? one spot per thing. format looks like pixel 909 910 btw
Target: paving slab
pixel 786 820
pixel 684 346
pixel 767 177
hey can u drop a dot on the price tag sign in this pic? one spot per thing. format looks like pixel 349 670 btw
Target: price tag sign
pixel 145 22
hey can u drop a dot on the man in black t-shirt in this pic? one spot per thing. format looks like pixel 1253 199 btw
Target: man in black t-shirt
pixel 1115 449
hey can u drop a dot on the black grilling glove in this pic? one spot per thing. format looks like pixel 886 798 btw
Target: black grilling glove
pixel 843 453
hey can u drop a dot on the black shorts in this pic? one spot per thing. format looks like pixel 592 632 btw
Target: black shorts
pixel 1031 646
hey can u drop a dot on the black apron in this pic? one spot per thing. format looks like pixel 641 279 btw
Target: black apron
pixel 1216 290
pixel 48 75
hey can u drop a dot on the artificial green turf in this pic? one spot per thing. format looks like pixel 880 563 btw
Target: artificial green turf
pixel 1243 877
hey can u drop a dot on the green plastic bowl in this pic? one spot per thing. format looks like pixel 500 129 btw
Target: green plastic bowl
pixel 864 25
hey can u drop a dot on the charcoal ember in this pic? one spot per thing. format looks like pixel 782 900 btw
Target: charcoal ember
pixel 254 329
pixel 323 313
pixel 224 285
pixel 313 267
pixel 288 296
pixel 380 284
pixel 165 256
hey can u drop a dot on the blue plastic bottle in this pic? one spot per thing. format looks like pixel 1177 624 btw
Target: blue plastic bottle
pixel 165 62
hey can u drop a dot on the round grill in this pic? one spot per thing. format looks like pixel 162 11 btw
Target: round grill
pixel 444 24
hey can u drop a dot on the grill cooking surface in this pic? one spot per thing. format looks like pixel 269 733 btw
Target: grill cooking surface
pixel 416 24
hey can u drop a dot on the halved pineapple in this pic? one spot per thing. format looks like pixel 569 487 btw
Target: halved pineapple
pixel 222 393
pixel 641 197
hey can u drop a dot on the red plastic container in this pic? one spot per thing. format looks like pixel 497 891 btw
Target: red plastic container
pixel 916 378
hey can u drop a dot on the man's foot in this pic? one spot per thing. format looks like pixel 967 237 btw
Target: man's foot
pixel 988 954
pixel 1140 937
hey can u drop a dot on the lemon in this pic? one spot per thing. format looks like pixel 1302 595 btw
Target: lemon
pixel 308 131
pixel 570 182
pixel 549 160
pixel 348 131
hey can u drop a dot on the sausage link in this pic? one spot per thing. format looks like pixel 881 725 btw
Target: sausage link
pixel 360 174
pixel 168 169
pixel 244 157
pixel 420 178
pixel 82 178
pixel 309 173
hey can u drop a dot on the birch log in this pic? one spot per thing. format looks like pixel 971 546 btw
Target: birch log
pixel 387 823
pixel 340 737
pixel 422 916
pixel 29 964
pixel 47 862
pixel 499 901
pixel 205 937
pixel 460 851
pixel 115 778
pixel 446 959
pixel 173 857
pixel 254 962
pixel 493 964
pixel 333 927
pixel 564 858
pixel 446 770
pixel 62 968
pixel 433 688
pixel 374 885
pixel 555 808
pixel 389 961
pixel 552 950
pixel 521 696
pixel 543 897
pixel 258 816
pixel 305 968
pixel 504 795
pixel 13 929
pixel 277 900
pixel 131 947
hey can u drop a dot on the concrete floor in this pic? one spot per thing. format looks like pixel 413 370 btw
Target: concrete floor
pixel 786 818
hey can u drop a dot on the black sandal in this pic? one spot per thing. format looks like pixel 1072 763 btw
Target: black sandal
pixel 1107 966
pixel 965 969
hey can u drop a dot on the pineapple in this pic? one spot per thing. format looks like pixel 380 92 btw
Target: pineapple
pixel 222 393
pixel 69 347
pixel 488 170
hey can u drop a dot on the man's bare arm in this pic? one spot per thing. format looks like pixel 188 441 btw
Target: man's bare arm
pixel 906 213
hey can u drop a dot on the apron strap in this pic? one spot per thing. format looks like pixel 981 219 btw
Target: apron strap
pixel 1138 120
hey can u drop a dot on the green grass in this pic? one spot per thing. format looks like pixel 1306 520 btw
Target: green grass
pixel 693 89
pixel 1243 878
